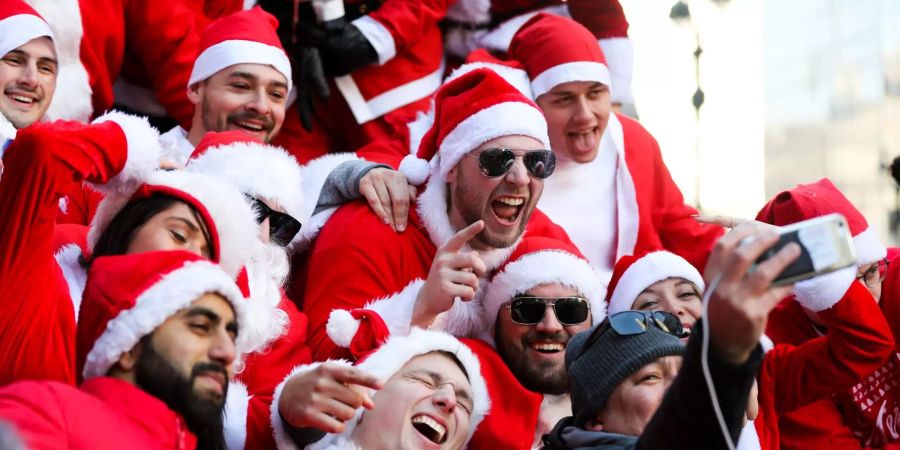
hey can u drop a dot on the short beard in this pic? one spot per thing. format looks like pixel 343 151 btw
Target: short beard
pixel 465 199
pixel 203 416
pixel 545 379
pixel 211 122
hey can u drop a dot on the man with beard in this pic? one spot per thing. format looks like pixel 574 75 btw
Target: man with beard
pixel 157 335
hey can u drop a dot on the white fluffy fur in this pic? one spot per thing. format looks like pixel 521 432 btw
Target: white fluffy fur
pixel 143 152
pixel 396 310
pixel 463 319
pixel 72 100
pixel 395 353
pixel 341 327
pixel 619 54
pixel 416 169
pixel 379 37
pixel 259 170
pixel 503 119
pixel 172 293
pixel 235 417
pixel 652 267
pixel 868 247
pixel 310 230
pixel 266 273
pixel 822 292
pixel 432 209
pixel 74 273
pixel 233 218
pixel 544 267
pixel 7 130
pixel 314 175
pixel 518 78
pixel 572 71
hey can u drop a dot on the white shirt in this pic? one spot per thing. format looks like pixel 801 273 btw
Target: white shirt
pixel 176 146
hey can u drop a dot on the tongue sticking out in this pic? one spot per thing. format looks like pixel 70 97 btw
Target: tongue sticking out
pixel 585 142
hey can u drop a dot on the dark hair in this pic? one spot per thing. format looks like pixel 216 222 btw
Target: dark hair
pixel 121 229
pixel 455 359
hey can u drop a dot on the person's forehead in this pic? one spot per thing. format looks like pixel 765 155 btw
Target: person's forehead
pixel 216 303
pixel 514 142
pixel 39 47
pixel 571 87
pixel 438 363
pixel 262 72
pixel 552 290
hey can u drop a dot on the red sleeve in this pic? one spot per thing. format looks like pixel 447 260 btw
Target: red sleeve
pixel 34 412
pixel 818 425
pixel 409 20
pixel 604 18
pixel 166 42
pixel 858 342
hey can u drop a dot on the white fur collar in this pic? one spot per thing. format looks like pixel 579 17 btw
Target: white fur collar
pixel 432 209
pixel 7 130
pixel 68 259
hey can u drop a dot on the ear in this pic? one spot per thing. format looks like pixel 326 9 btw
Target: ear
pixel 128 360
pixel 193 93
pixel 451 175
pixel 595 424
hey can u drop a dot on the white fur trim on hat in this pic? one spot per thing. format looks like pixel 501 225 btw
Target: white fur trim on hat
pixel 503 119
pixel 399 350
pixel 235 415
pixel 68 259
pixel 262 171
pixel 18 30
pixel 822 292
pixel 518 78
pixel 545 267
pixel 233 217
pixel 868 247
pixel 573 71
pixel 619 54
pixel 143 153
pixel 649 269
pixel 432 209
pixel 173 292
pixel 282 440
pixel 415 169
pixel 396 310
pixel 228 53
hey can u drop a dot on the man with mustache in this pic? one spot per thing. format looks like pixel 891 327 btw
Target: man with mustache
pixel 157 335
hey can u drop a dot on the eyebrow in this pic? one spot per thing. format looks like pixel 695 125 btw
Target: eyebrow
pixel 18 52
pixel 190 224
pixel 438 379
pixel 253 77
pixel 211 315
pixel 567 92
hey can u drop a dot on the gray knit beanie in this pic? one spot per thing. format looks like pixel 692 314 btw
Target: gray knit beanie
pixel 595 373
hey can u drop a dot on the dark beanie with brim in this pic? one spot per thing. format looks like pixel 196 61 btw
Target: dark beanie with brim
pixel 595 374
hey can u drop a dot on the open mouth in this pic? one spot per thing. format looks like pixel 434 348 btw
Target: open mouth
pixel 252 127
pixel 21 99
pixel 586 140
pixel 507 209
pixel 428 427
pixel 548 348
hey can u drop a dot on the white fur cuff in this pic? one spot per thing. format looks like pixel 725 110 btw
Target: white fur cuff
pixel 396 311
pixel 379 37
pixel 822 292
pixel 143 152
pixel 236 404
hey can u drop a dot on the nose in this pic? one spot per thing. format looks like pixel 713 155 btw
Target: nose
pixel 260 102
pixel 444 398
pixel 518 174
pixel 29 75
pixel 549 324
pixel 582 111
pixel 223 349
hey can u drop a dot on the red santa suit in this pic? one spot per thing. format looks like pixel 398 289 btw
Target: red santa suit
pixel 627 189
pixel 375 101
pixel 830 423
pixel 491 24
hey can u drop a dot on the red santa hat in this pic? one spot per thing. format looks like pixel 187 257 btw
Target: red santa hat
pixel 511 70
pixel 807 201
pixel 469 111
pixel 556 50
pixel 634 273
pixel 129 296
pixel 229 220
pixel 254 168
pixel 540 260
pixel 245 37
pixel 388 360
pixel 19 24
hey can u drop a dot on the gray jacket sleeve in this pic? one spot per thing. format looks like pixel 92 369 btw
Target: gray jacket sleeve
pixel 342 184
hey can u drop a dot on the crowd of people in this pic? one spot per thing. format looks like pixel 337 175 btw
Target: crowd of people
pixel 392 224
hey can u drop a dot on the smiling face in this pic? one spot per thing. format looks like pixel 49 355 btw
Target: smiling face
pixel 504 203
pixel 633 402
pixel 536 353
pixel 28 79
pixel 246 97
pixel 577 113
pixel 427 404
pixel 674 295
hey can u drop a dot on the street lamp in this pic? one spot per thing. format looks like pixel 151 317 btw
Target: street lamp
pixel 681 15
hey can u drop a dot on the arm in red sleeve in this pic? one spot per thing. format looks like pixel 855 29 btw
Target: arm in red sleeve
pixel 408 20
pixel 33 411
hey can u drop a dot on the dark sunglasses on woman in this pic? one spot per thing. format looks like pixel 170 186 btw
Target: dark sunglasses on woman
pixel 282 227
pixel 529 310
pixel 496 162
pixel 630 323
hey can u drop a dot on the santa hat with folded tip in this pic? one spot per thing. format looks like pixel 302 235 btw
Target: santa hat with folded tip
pixel 634 273
pixel 556 50
pixel 128 296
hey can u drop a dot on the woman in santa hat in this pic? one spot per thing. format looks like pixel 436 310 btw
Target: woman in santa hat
pixel 144 210
pixel 858 342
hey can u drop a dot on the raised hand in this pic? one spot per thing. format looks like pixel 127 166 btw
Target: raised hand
pixel 326 397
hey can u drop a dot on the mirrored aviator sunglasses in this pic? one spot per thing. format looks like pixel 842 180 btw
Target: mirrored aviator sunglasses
pixel 282 227
pixel 496 162
pixel 527 310
pixel 630 323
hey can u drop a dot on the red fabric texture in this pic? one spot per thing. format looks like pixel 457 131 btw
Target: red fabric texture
pixel 536 44
pixel 371 334
pixel 604 18
pixel 37 320
pixel 79 205
pixel 101 415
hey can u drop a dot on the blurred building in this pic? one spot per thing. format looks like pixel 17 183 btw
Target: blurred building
pixel 831 77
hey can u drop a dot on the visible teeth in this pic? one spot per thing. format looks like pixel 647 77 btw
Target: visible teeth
pixel 438 429
pixel 511 201
pixel 22 99
pixel 251 126
pixel 555 347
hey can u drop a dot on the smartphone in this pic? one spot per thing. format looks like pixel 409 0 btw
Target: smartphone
pixel 825 243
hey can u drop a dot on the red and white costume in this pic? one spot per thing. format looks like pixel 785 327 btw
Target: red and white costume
pixel 375 101
pixel 92 43
pixel 492 23
pixel 627 189
pixel 853 419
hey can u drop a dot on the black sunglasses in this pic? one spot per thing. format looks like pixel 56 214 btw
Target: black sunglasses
pixel 495 162
pixel 282 227
pixel 528 310
pixel 875 274
pixel 630 323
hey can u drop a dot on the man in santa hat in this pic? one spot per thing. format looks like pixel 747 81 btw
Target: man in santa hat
pixel 157 336
pixel 28 69
pixel 612 192
pixel 473 24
